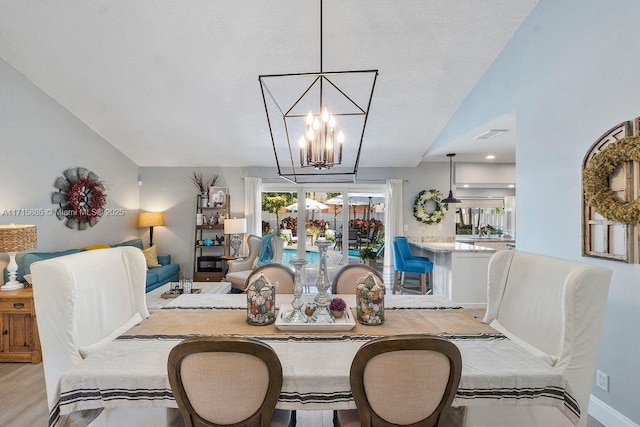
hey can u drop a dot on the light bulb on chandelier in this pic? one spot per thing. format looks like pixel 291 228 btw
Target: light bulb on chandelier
pixel 317 147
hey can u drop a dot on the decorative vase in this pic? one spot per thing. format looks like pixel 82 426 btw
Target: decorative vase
pixel 204 200
pixel 370 302
pixel 337 314
pixel 261 302
pixel 323 298
pixel 297 316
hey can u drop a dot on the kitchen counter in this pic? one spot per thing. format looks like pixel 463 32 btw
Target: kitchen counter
pixel 482 239
pixel 497 244
pixel 459 270
pixel 448 247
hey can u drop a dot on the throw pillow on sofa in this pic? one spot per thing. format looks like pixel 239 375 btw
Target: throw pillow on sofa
pixel 151 255
pixel 98 246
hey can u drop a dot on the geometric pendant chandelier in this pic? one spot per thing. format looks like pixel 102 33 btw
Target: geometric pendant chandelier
pixel 317 121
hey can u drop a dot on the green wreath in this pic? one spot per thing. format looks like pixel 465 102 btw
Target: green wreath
pixel 595 181
pixel 438 213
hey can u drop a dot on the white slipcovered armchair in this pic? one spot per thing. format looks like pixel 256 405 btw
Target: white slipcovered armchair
pixel 240 269
pixel 553 308
pixel 82 302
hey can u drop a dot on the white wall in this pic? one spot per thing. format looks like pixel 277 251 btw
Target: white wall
pixel 485 173
pixel 39 140
pixel 570 72
pixel 170 190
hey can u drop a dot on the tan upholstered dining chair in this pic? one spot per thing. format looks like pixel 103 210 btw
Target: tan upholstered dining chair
pixel 347 278
pixel 405 380
pixel 275 273
pixel 220 381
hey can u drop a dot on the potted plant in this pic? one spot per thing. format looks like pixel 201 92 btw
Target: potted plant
pixel 337 307
pixel 368 255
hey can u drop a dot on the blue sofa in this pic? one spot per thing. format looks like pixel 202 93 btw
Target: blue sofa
pixel 156 276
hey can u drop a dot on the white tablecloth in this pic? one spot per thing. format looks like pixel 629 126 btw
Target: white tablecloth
pixel 132 371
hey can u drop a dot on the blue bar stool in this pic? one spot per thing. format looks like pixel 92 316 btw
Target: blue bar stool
pixel 406 262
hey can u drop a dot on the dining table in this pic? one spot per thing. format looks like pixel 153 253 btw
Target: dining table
pixel 131 371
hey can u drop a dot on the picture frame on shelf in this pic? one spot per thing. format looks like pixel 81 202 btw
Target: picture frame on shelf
pixel 217 197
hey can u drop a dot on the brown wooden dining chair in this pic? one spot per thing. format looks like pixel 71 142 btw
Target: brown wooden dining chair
pixel 407 380
pixel 346 279
pixel 275 273
pixel 224 380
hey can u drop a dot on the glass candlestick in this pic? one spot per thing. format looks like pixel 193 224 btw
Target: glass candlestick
pixel 323 298
pixel 297 315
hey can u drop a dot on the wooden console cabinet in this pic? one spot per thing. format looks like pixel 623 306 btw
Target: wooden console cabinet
pixel 19 341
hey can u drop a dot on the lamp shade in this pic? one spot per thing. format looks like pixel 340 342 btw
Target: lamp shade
pixel 150 219
pixel 235 226
pixel 18 238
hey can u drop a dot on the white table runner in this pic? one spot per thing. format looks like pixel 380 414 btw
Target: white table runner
pixel 239 301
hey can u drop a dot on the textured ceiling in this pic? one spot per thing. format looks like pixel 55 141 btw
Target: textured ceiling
pixel 176 83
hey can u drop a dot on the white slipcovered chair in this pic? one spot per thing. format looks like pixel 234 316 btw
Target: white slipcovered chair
pixel 82 302
pixel 240 269
pixel 553 308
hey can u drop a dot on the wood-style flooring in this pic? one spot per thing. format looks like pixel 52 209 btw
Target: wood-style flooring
pixel 23 400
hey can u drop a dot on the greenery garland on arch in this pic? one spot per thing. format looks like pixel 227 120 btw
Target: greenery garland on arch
pixel 438 213
pixel 596 181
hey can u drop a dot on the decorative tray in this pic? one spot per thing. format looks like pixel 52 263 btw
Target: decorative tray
pixel 169 294
pixel 344 323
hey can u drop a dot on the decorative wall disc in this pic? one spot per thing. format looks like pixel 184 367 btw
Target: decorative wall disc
pixel 81 197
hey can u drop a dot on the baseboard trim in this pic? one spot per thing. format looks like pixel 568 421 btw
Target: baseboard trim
pixel 473 306
pixel 606 415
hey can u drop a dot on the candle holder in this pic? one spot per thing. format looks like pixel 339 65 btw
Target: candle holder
pixel 297 315
pixel 323 298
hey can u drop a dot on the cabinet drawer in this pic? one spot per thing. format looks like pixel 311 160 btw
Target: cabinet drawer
pixel 15 305
pixel 207 276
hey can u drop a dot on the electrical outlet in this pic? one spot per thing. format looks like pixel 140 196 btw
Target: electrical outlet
pixel 602 380
pixel 406 227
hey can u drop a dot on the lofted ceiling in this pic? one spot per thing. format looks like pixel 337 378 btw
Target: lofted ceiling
pixel 173 83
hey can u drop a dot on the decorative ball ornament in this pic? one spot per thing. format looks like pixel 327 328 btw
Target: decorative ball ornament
pixel 425 197
pixel 81 197
pixel 596 176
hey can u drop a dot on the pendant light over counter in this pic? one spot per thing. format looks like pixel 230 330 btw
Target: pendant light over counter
pixel 451 198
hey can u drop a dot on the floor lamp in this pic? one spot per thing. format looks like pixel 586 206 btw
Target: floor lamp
pixel 150 219
pixel 13 239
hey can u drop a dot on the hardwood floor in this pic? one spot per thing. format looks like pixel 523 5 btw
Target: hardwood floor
pixel 23 397
pixel 23 400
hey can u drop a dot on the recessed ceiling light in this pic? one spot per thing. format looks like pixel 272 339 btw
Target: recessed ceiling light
pixel 490 133
pixel 490 157
pixel 512 186
pixel 466 186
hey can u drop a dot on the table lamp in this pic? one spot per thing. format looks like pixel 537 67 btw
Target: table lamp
pixel 16 238
pixel 235 226
pixel 150 219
